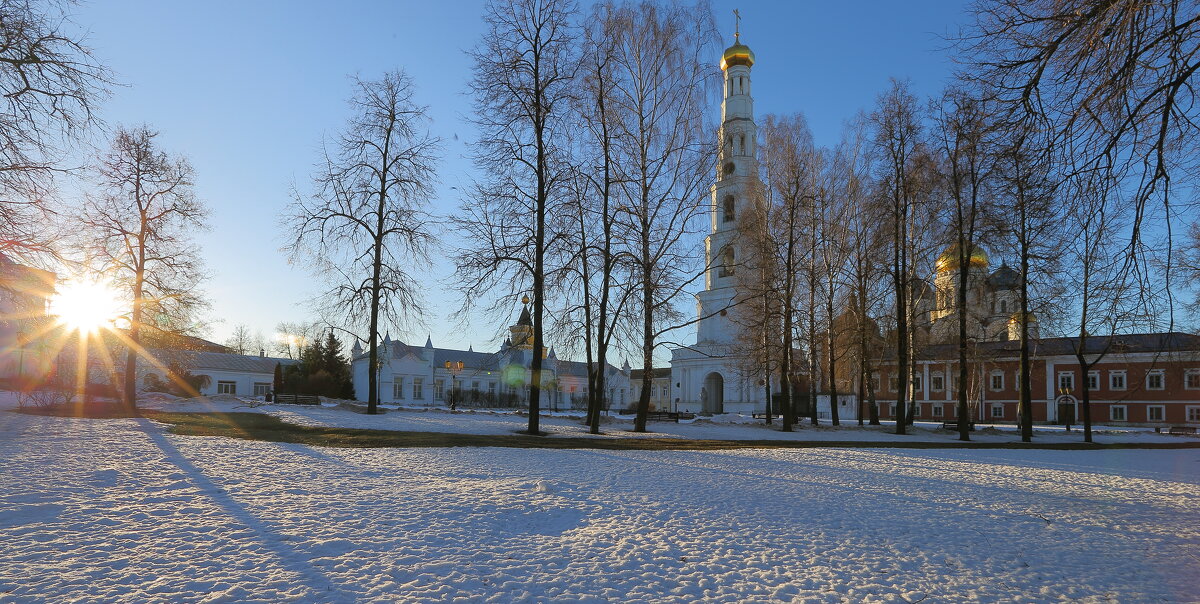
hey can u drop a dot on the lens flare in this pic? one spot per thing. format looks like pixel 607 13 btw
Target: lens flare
pixel 86 306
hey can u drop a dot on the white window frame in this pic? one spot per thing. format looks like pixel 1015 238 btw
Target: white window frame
pixel 1191 413
pixel 1162 413
pixel 439 390
pixel 937 382
pixel 1162 379
pixel 418 388
pixel 893 383
pixel 997 411
pixel 1113 376
pixel 917 383
pixel 992 381
pixel 1066 379
pixel 227 387
pixel 937 410
pixel 261 388
pixel 398 388
pixel 1191 379
pixel 492 388
pixel 1113 413
pixel 1093 381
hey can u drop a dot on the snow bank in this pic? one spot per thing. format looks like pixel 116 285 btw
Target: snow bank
pixel 118 510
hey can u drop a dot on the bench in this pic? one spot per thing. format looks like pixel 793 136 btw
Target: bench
pixel 1181 430
pixel 297 399
pixel 952 424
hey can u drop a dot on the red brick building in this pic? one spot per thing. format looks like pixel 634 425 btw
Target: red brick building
pixel 1140 379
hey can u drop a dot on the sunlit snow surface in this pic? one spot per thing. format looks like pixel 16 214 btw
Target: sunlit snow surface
pixel 118 510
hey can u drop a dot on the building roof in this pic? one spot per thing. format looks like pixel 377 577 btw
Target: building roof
pixel 1163 342
pixel 223 361
pixel 655 373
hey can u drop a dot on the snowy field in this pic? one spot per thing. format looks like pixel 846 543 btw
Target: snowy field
pixel 119 510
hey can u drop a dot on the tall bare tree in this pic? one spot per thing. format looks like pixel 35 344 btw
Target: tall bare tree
pixel 138 230
pixel 663 67
pixel 362 226
pixel 524 67
pixel 897 137
pixel 50 84
pixel 961 134
pixel 789 171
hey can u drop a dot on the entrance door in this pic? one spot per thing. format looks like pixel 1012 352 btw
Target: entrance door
pixel 714 393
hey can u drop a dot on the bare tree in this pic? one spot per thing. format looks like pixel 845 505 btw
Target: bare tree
pixel 663 71
pixel 291 337
pixel 961 134
pixel 137 229
pixel 599 176
pixel 523 70
pixel 241 340
pixel 897 132
pixel 362 226
pixel 789 177
pixel 1113 83
pixel 50 84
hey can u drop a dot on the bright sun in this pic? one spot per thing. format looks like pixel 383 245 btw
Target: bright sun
pixel 86 305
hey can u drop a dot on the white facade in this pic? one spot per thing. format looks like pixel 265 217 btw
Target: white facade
pixel 707 376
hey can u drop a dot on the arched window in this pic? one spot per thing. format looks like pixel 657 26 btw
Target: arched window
pixel 729 211
pixel 727 262
pixel 729 145
pixel 1004 306
pixel 742 145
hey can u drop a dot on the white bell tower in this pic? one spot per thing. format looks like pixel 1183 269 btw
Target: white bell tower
pixel 707 377
pixel 734 191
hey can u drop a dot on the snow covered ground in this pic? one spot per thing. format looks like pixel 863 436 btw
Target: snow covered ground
pixel 119 510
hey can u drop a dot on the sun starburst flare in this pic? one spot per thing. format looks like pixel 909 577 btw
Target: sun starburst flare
pixel 86 306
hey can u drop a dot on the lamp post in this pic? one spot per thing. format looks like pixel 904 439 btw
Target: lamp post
pixel 1064 401
pixel 454 367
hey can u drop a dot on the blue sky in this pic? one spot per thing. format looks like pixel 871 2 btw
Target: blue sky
pixel 247 90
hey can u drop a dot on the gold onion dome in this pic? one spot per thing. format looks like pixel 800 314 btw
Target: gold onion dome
pixel 949 259
pixel 738 54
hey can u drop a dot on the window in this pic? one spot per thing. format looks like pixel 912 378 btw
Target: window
pixel 730 211
pixel 742 144
pixel 727 261
pixel 1066 380
pixel 937 382
pixel 997 383
pixel 875 384
pixel 1156 413
pixel 1116 413
pixel 893 383
pixel 997 411
pixel 226 387
pixel 492 388
pixel 1093 380
pixel 891 410
pixel 475 386
pixel 916 382
pixel 666 391
pixel 1193 414
pixel 1154 380
pixel 439 390
pixel 418 389
pixel 261 388
pixel 1191 379
pixel 398 388
pixel 1004 306
pixel 1116 380
pixel 937 410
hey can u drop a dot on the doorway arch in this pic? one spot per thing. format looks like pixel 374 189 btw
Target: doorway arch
pixel 714 393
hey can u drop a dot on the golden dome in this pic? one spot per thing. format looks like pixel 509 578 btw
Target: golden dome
pixel 1029 317
pixel 738 54
pixel 949 259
